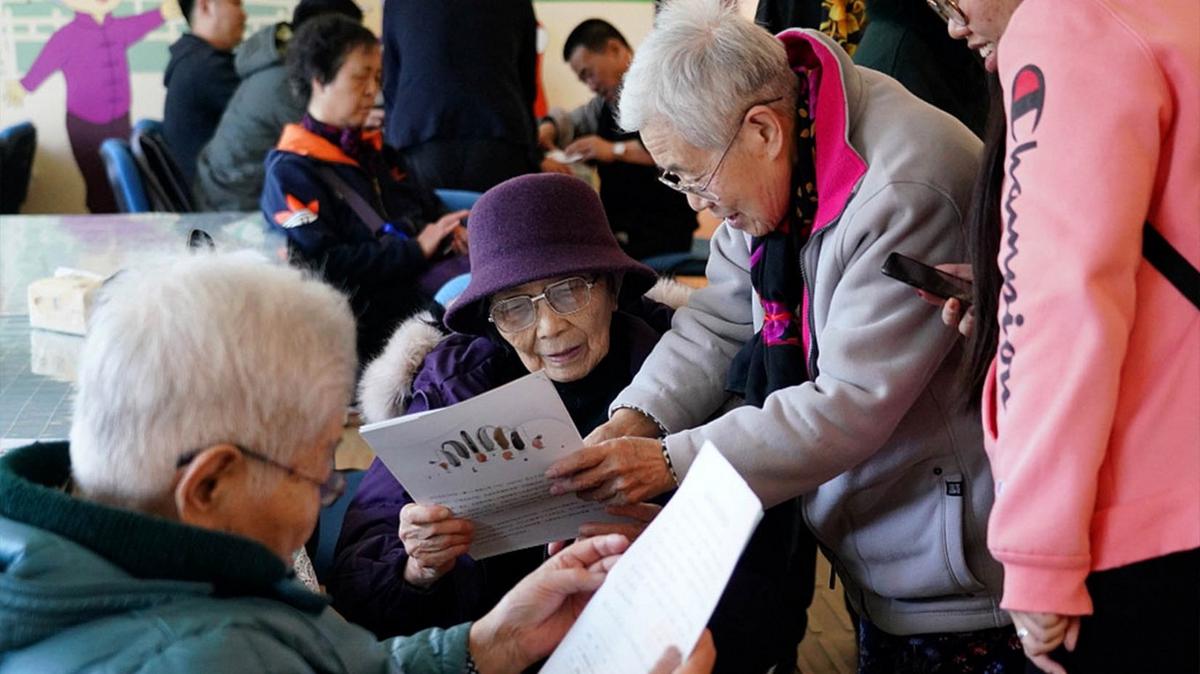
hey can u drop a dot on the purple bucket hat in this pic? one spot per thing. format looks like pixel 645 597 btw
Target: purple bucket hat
pixel 539 226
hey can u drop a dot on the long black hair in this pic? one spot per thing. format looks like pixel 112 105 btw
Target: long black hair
pixel 984 231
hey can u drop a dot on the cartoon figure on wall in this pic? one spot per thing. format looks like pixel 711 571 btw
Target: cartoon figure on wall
pixel 91 51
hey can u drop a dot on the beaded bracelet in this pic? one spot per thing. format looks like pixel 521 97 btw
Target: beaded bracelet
pixel 662 444
pixel 471 668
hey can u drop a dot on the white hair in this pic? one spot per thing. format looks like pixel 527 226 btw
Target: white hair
pixel 700 67
pixel 187 352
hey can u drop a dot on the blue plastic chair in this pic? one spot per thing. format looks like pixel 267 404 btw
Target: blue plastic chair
pixel 691 263
pixel 18 144
pixel 329 525
pixel 452 289
pixel 123 176
pixel 147 125
pixel 458 200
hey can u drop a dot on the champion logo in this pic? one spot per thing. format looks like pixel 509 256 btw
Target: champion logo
pixel 298 213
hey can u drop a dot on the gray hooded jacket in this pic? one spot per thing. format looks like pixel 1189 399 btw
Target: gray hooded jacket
pixel 893 474
pixel 230 170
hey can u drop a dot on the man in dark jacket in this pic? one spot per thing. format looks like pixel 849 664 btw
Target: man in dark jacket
pixel 647 217
pixel 459 81
pixel 200 77
pixel 229 172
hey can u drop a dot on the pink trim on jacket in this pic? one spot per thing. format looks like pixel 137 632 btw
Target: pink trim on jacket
pixel 1092 407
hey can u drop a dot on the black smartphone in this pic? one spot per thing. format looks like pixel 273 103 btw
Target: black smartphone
pixel 933 281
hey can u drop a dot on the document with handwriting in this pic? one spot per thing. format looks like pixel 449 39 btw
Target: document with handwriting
pixel 664 589
pixel 485 460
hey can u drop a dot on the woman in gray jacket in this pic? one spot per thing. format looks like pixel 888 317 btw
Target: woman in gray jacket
pixel 819 170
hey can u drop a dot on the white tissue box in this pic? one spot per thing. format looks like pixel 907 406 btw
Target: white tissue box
pixel 63 302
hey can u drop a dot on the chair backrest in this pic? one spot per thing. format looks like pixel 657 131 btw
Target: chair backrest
pixel 458 200
pixel 329 526
pixel 18 143
pixel 124 176
pixel 147 125
pixel 165 184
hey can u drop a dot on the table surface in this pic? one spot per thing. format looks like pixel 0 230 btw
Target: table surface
pixel 37 367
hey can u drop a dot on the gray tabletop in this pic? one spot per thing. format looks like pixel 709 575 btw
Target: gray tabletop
pixel 37 367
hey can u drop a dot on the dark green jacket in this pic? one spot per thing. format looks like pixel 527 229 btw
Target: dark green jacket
pixel 908 40
pixel 88 588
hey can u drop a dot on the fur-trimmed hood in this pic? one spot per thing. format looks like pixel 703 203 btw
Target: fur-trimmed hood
pixel 386 384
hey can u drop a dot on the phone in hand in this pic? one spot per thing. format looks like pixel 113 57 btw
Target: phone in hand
pixel 924 277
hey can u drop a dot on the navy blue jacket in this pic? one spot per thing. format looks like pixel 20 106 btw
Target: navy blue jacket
pixel 379 272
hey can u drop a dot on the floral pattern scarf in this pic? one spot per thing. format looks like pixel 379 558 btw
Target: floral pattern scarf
pixel 774 358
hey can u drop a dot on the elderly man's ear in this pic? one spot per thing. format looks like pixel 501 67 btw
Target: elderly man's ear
pixel 771 136
pixel 209 486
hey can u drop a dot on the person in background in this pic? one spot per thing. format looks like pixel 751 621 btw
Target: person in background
pixel 402 567
pixel 230 168
pixel 200 77
pixel 1084 344
pixel 346 202
pixel 458 81
pixel 212 394
pixel 908 41
pixel 647 217
pixel 819 170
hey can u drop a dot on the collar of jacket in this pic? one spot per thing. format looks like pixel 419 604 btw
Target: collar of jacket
pixel 837 89
pixel 146 547
pixel 299 140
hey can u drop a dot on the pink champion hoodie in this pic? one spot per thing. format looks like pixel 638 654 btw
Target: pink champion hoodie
pixel 1092 407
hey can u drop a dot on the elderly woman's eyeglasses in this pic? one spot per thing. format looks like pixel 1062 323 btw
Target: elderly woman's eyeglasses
pixel 514 314
pixel 677 183
pixel 949 11
pixel 330 488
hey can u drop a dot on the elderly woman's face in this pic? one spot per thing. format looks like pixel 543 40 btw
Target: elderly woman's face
pixel 750 180
pixel 348 98
pixel 567 346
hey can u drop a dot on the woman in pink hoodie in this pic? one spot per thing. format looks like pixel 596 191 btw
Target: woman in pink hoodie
pixel 1087 354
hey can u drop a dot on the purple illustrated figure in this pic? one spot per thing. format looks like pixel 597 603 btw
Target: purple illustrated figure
pixel 90 50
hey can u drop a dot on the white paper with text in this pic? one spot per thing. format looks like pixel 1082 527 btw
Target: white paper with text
pixel 485 459
pixel 664 589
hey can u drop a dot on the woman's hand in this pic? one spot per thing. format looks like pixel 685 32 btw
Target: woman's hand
pixel 430 238
pixel 701 661
pixel 535 615
pixel 625 421
pixel 640 514
pixel 1041 633
pixel 617 472
pixel 952 309
pixel 434 539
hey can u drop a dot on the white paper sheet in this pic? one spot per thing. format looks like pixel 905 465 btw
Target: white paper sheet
pixel 485 459
pixel 664 589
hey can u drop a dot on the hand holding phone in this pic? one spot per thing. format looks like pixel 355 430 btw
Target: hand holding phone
pixel 924 277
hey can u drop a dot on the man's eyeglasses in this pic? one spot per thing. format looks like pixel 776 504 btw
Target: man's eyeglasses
pixel 949 11
pixel 677 183
pixel 330 488
pixel 514 314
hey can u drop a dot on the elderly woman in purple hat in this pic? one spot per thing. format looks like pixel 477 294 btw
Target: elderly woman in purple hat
pixel 550 290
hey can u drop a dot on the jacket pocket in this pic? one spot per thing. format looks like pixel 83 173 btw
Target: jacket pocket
pixel 907 539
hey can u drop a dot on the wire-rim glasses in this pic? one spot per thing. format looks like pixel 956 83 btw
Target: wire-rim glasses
pixel 949 11
pixel 565 297
pixel 330 488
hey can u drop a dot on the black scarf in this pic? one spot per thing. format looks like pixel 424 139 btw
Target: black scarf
pixel 774 358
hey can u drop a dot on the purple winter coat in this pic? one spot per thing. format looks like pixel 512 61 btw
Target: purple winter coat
pixel 367 583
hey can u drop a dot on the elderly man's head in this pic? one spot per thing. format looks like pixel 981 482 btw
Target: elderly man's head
pixel 599 56
pixel 212 390
pixel 714 100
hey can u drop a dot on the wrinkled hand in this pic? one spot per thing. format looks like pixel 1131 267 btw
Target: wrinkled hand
pixel 375 119
pixel 534 616
pixel 641 515
pixel 14 93
pixel 624 422
pixel 430 238
pixel 433 539
pixel 701 661
pixel 617 472
pixel 551 166
pixel 591 148
pixel 1043 632
pixel 952 309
